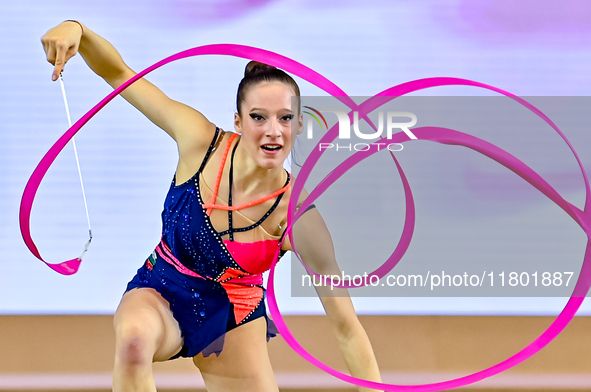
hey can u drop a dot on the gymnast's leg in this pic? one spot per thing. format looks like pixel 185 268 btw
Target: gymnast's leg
pixel 145 331
pixel 244 363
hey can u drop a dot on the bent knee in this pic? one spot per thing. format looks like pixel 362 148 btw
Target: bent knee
pixel 135 345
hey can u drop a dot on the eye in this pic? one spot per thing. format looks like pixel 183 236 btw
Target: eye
pixel 256 117
pixel 287 117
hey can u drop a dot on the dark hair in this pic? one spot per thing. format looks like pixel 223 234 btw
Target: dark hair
pixel 255 73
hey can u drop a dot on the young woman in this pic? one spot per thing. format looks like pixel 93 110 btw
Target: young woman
pixel 201 289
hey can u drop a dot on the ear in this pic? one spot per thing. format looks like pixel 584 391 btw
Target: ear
pixel 300 124
pixel 237 123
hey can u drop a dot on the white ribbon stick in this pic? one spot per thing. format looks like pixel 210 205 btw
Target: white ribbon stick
pixel 77 164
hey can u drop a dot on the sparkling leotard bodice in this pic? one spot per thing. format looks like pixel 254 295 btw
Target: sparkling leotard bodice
pixel 212 285
pixel 188 232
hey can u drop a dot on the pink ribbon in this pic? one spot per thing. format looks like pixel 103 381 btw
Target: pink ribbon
pixel 450 137
pixel 71 266
pixel 439 135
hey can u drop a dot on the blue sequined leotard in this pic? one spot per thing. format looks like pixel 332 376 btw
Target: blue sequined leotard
pixel 197 272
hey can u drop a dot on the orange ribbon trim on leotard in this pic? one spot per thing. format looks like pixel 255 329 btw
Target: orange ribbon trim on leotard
pixel 211 205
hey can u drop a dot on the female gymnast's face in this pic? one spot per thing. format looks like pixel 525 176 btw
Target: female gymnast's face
pixel 266 123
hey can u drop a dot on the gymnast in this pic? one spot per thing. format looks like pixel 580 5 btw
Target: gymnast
pixel 201 291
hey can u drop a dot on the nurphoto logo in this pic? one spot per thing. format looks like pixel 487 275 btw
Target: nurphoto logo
pixel 392 123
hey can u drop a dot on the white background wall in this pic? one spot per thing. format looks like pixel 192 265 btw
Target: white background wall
pixel 525 47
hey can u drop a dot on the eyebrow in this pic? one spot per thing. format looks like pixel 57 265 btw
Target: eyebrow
pixel 264 110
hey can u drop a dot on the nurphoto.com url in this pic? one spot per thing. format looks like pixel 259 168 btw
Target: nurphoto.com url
pixel 433 281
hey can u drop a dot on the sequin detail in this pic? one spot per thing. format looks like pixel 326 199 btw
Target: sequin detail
pixel 208 290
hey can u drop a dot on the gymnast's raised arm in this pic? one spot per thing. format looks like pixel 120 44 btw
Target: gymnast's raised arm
pixel 187 126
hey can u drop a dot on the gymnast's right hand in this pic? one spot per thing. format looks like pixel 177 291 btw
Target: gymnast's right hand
pixel 61 44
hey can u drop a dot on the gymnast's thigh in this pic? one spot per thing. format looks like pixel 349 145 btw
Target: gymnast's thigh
pixel 243 364
pixel 144 315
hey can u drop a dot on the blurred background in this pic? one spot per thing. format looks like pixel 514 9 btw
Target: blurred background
pixel 530 48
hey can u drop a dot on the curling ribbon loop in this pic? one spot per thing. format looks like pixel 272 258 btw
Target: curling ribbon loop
pixel 439 135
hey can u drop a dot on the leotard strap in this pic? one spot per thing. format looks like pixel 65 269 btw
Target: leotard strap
pixel 211 205
pixel 212 146
pixel 279 192
pixel 231 230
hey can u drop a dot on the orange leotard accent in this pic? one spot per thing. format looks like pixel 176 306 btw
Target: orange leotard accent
pixel 211 205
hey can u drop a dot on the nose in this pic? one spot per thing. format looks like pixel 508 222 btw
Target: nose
pixel 274 129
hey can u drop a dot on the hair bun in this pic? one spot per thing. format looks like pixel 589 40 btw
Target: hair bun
pixel 254 67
